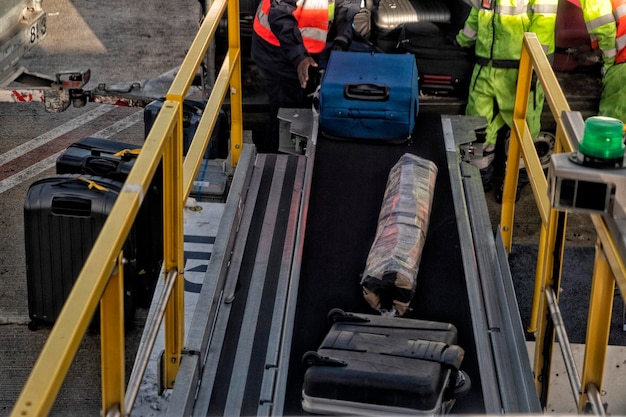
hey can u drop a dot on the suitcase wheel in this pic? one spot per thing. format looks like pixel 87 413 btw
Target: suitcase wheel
pixel 312 358
pixel 459 386
pixel 337 315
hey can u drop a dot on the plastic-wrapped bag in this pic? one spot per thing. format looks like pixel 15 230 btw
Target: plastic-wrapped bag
pixel 389 278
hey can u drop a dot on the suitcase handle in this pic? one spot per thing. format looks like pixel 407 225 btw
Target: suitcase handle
pixel 430 350
pixel 124 154
pixel 101 166
pixel 366 92
pixel 71 206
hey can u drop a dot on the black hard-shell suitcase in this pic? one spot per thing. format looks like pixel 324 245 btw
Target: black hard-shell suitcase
pixel 192 113
pixel 444 69
pixel 98 156
pixel 63 216
pixel 113 159
pixel 383 365
pixel 391 14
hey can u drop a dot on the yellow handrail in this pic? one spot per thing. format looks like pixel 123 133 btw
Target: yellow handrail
pixel 609 266
pixel 99 281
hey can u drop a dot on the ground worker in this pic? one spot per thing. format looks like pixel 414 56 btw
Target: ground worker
pixel 290 37
pixel 496 29
pixel 606 24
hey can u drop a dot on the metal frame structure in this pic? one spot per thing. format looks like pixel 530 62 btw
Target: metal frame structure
pixel 546 322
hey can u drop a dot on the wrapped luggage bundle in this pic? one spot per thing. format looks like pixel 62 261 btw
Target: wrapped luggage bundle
pixel 389 278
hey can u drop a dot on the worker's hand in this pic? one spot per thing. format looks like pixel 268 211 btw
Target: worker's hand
pixel 303 70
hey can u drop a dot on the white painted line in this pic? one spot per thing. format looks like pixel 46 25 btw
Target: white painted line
pixel 50 161
pixel 28 173
pixel 123 124
pixel 54 133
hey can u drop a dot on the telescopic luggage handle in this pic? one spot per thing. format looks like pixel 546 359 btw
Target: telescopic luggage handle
pixel 366 92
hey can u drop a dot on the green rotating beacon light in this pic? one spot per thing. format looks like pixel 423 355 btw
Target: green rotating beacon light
pixel 603 143
pixel 592 179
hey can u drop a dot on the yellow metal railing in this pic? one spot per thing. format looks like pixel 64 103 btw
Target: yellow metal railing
pixel 609 266
pixel 101 279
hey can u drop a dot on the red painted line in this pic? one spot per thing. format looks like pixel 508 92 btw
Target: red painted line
pixel 58 144
pixel 21 98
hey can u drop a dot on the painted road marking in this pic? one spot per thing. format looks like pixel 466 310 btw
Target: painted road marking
pixel 17 159
pixel 54 133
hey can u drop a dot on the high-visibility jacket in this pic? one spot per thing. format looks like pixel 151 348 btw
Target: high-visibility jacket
pixel 611 35
pixel 312 17
pixel 600 22
pixel 619 12
pixel 496 29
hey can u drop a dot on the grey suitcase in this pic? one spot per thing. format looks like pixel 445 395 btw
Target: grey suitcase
pixel 382 365
pixel 390 15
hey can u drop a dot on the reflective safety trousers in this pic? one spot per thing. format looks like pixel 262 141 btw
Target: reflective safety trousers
pixel 496 28
pixel 492 95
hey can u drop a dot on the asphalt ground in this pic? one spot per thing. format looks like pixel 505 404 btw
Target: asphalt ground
pixel 119 42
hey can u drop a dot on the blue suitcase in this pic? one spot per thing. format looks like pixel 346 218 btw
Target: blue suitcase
pixel 371 96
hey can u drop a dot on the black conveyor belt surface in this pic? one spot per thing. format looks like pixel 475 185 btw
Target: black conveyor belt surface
pixel 347 189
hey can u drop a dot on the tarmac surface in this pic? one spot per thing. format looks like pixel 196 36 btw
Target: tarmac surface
pixel 120 42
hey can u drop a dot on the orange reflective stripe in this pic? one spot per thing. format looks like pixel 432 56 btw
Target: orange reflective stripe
pixel 619 11
pixel 312 23
pixel 315 18
pixel 261 24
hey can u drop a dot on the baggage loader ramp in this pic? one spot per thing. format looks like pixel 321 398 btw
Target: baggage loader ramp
pixel 293 242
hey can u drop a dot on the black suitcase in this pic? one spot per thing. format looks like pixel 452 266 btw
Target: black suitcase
pixel 63 216
pixel 113 159
pixel 390 15
pixel 192 113
pixel 381 365
pixel 98 156
pixel 444 68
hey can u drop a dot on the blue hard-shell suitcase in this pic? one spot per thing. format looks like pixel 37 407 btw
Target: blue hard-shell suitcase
pixel 371 96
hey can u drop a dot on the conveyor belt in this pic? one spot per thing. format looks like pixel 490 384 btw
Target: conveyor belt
pixel 247 340
pixel 346 195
